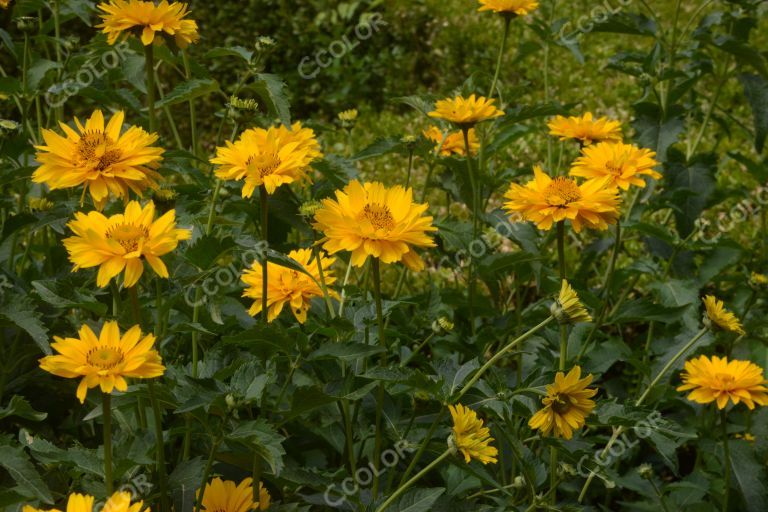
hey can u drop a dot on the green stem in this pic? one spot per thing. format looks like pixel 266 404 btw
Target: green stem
pixel 553 475
pixel 475 207
pixel 618 431
pixel 726 460
pixel 159 446
pixel 507 23
pixel 328 304
pixel 401 489
pixel 149 56
pixel 106 413
pixel 713 103
pixel 192 109
pixel 376 268
pixel 206 474
pixel 561 265
pixel 423 445
pixel 410 168
pixel 499 354
pixel 344 287
pixel 264 206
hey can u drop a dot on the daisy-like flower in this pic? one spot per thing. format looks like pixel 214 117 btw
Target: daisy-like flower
pixel 373 220
pixel 466 112
pixel 454 141
pixel 756 279
pixel 721 317
pixel 118 502
pixel 270 157
pixel 288 286
pixel 624 164
pixel 148 20
pixel 585 129
pixel 516 7
pixel 123 241
pixel 568 309
pixel 544 201
pixel 470 437
pixel 348 116
pixel 226 496
pixel 719 380
pixel 566 405
pixel 105 361
pixel 100 158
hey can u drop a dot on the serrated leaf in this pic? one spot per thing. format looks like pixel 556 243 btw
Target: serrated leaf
pixel 273 91
pixel 756 91
pixel 19 407
pixel 18 465
pixel 417 500
pixel 189 90
pixel 21 312
pixel 264 440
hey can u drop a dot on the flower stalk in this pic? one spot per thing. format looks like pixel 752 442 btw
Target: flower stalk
pixel 400 490
pixel 106 413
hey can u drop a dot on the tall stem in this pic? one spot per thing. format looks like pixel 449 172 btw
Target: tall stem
pixel 507 23
pixel 499 354
pixel 400 490
pixel 106 413
pixel 561 265
pixel 149 56
pixel 192 109
pixel 206 474
pixel 264 205
pixel 726 460
pixel 618 431
pixel 375 267
pixel 159 446
pixel 475 207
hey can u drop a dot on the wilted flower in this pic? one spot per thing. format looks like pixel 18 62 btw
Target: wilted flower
pixel 568 309
pixel 718 316
pixel 470 437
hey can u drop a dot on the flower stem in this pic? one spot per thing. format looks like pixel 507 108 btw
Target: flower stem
pixel 561 265
pixel 499 354
pixel 618 431
pixel 726 460
pixel 159 446
pixel 149 55
pixel 553 474
pixel 400 490
pixel 376 268
pixel 206 474
pixel 264 205
pixel 505 37
pixel 328 304
pixel 106 413
pixel 192 110
pixel 475 207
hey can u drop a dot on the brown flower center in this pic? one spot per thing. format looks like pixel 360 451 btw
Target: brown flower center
pixel 128 235
pixel 96 151
pixel 379 216
pixel 725 380
pixel 561 192
pixel 263 164
pixel 561 403
pixel 105 357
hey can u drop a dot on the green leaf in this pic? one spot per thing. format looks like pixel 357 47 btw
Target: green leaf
pixel 643 310
pixel 756 91
pixel 656 131
pixel 189 90
pixel 345 351
pixel 49 290
pixel 689 187
pixel 21 312
pixel 230 51
pixel 23 472
pixel 19 407
pixel 264 440
pixel 749 476
pixel 417 500
pixel 272 90
pixel 207 251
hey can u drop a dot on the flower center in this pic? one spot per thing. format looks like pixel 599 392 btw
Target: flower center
pixel 725 380
pixel 561 403
pixel 561 192
pixel 263 164
pixel 105 357
pixel 128 235
pixel 615 167
pixel 96 151
pixel 379 216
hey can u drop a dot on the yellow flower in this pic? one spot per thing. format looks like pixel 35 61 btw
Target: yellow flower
pixel 758 279
pixel 348 116
pixel 121 241
pixel 148 20
pixel 545 201
pixel 454 142
pixel 585 129
pixel 517 7
pixel 373 220
pixel 5 3
pixel 470 437
pixel 720 380
pixel 118 502
pixel 624 164
pixel 225 496
pixel 100 158
pixel 288 286
pixel 40 204
pixel 104 361
pixel 466 112
pixel 270 157
pixel 568 308
pixel 721 317
pixel 566 405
